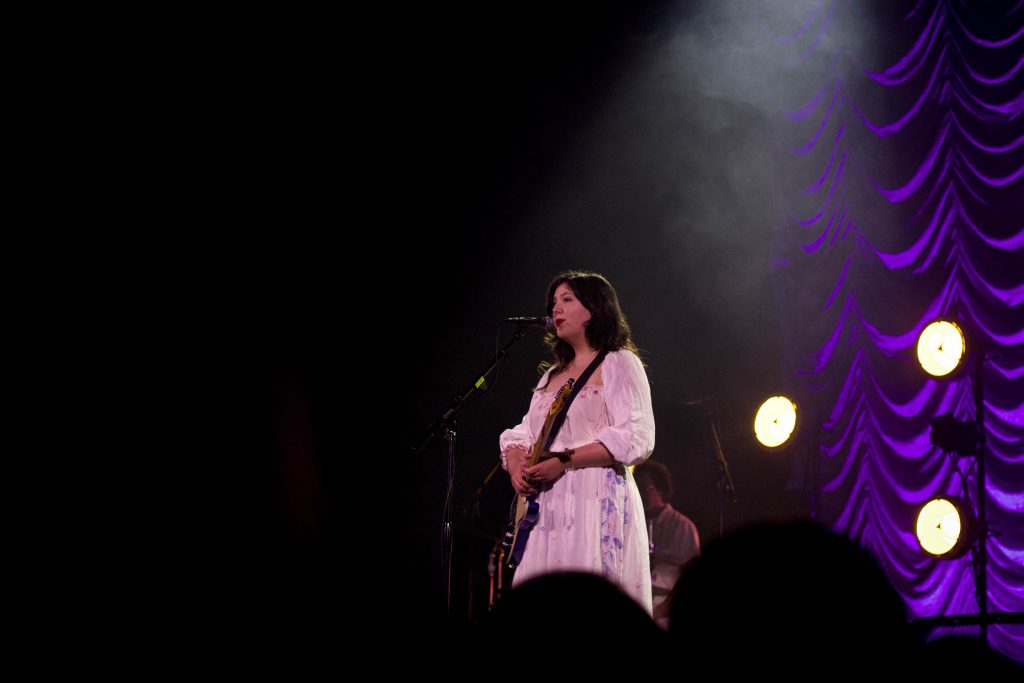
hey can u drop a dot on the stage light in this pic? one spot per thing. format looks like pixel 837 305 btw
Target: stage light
pixel 775 421
pixel 954 436
pixel 941 347
pixel 945 527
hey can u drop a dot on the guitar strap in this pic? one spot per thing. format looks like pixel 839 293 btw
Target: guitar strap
pixel 577 386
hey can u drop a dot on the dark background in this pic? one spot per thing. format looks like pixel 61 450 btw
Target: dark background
pixel 303 232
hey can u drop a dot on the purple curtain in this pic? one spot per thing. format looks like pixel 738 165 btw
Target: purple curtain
pixel 909 208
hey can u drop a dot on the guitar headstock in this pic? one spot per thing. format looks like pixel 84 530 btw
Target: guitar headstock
pixel 560 397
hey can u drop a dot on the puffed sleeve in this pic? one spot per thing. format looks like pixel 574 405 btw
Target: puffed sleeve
pixel 520 436
pixel 629 436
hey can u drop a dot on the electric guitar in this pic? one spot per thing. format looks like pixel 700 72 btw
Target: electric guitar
pixel 524 511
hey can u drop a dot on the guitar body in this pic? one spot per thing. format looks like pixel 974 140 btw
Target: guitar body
pixel 523 517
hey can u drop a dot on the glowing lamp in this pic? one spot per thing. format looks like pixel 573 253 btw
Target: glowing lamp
pixel 775 421
pixel 945 527
pixel 941 347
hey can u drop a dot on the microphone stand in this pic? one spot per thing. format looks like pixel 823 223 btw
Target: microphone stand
pixel 725 484
pixel 445 425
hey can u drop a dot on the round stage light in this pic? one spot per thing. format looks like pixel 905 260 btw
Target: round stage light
pixel 775 421
pixel 944 527
pixel 941 347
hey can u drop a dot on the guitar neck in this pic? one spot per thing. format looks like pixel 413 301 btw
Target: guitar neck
pixel 538 446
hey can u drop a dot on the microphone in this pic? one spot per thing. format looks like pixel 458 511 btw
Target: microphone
pixel 542 321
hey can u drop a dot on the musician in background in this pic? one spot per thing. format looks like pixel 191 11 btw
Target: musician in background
pixel 674 539
pixel 591 516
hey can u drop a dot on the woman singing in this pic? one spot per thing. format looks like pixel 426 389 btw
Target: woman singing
pixel 590 517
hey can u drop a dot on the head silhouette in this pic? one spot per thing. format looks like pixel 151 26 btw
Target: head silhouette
pixel 773 595
pixel 569 608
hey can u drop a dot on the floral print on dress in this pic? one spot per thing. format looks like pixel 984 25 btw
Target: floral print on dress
pixel 611 525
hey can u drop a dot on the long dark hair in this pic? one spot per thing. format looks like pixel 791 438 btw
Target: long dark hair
pixel 607 329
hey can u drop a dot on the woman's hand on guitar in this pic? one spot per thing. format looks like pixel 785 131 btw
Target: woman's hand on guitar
pixel 546 470
pixel 520 482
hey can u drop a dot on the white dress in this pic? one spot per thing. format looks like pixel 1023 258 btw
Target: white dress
pixel 592 519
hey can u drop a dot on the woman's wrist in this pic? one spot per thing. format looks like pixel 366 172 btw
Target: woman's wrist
pixel 512 457
pixel 565 457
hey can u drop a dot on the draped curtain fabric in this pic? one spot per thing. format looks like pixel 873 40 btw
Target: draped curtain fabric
pixel 910 208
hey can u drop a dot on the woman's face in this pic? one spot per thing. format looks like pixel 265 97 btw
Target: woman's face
pixel 570 315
